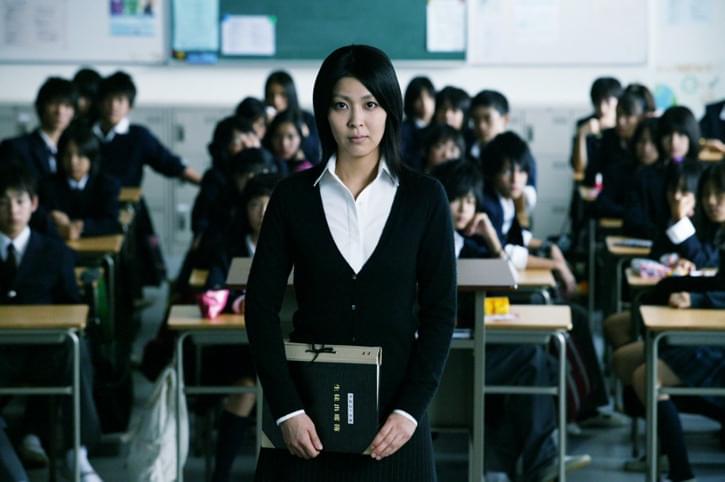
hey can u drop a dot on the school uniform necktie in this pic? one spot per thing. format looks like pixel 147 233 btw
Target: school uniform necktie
pixel 11 264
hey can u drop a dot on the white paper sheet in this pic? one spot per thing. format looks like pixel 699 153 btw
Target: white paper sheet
pixel 446 25
pixel 248 35
pixel 196 25
pixel 37 24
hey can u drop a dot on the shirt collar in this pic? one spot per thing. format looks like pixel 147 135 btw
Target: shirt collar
pixel 457 242
pixel 78 184
pixel 121 128
pixel 20 243
pixel 383 171
pixel 48 141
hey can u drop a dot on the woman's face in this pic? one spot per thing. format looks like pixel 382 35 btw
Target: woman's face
pixel 260 126
pixel 713 203
pixel 462 210
pixel 286 141
pixel 442 151
pixel 627 124
pixel 76 165
pixel 277 97
pixel 424 106
pixel 511 182
pixel 256 208
pixel 676 145
pixel 646 150
pixel 357 120
pixel 448 114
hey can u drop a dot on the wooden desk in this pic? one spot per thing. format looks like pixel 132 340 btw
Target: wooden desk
pixel 681 327
pixel 225 329
pixel 535 318
pixel 97 245
pixel 197 278
pixel 535 278
pixel 130 195
pixel 611 223
pixel 708 155
pixel 48 324
pixel 614 247
pixel 636 281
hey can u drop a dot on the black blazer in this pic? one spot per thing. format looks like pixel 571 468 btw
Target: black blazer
pixel 413 264
pixel 45 275
pixel 711 125
pixel 96 205
pixel 32 151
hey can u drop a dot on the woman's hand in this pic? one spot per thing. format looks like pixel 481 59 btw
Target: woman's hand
pixel 683 207
pixel 680 300
pixel 562 269
pixel 394 433
pixel 300 436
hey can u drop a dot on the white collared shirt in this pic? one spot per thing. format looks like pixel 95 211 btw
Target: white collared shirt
pixel 121 128
pixel 251 247
pixel 20 243
pixel 80 185
pixel 518 255
pixel 52 148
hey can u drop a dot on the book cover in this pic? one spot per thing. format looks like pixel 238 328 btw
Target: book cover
pixel 339 390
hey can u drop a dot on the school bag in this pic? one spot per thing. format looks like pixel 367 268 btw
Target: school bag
pixel 152 448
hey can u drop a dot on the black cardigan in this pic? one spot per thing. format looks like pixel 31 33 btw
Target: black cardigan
pixel 414 262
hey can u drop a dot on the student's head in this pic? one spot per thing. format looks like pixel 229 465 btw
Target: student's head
pixel 643 144
pixel 506 164
pixel 56 103
pixel 442 143
pixel 678 134
pixel 643 92
pixel 86 81
pixel 79 151
pixel 280 91
pixel 116 95
pixel 463 185
pixel 604 94
pixel 252 110
pixel 452 106
pixel 631 109
pixel 358 106
pixel 255 198
pixel 419 100
pixel 490 114
pixel 285 135
pixel 18 199
pixel 681 181
pixel 249 163
pixel 230 136
pixel 712 193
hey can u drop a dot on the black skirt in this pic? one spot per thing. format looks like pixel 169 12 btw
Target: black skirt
pixel 414 462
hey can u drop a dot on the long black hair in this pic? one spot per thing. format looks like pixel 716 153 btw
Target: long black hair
pixel 87 144
pixel 373 68
pixel 679 119
pixel 284 79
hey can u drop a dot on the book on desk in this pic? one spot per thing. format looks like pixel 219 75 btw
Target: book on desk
pixel 338 385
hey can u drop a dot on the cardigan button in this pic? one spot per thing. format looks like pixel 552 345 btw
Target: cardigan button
pixel 354 277
pixel 354 307
pixel 12 294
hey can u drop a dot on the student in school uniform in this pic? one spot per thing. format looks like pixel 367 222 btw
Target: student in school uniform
pixel 280 94
pixel 418 106
pixel 523 427
pixel 80 200
pixel 253 111
pixel 441 143
pixel 604 93
pixel 646 211
pixel 55 106
pixel 86 81
pixel 36 269
pixel 451 107
pixel 284 140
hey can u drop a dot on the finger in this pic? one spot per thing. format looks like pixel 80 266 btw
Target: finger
pixel 395 445
pixel 315 439
pixel 382 433
pixel 383 445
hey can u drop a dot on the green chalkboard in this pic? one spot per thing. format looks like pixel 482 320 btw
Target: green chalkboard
pixel 311 29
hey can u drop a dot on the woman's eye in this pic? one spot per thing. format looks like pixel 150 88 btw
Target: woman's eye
pixel 371 105
pixel 339 105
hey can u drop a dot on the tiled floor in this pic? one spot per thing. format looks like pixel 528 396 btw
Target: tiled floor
pixel 609 448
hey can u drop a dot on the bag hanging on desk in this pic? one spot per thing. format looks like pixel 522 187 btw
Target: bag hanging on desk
pixel 338 385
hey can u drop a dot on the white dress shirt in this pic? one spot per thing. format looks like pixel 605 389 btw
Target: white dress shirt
pixel 356 225
pixel 79 185
pixel 120 128
pixel 52 148
pixel 518 255
pixel 20 243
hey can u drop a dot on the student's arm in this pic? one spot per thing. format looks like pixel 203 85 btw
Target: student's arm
pixel 104 215
pixel 206 201
pixel 162 160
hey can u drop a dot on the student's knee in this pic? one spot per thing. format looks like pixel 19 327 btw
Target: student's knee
pixel 618 329
pixel 639 381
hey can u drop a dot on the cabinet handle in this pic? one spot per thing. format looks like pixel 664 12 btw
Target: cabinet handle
pixel 180 133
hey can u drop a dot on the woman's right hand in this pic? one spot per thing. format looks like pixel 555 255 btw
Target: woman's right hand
pixel 300 436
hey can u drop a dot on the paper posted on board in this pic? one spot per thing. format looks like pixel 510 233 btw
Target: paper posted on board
pixel 446 26
pixel 248 35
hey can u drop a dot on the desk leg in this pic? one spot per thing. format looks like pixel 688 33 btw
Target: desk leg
pixel 591 271
pixel 561 389
pixel 618 285
pixel 179 397
pixel 651 404
pixel 476 464
pixel 110 263
pixel 76 405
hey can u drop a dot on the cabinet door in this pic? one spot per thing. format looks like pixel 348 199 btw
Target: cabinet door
pixel 8 125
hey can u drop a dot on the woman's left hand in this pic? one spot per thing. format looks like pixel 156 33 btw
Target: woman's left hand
pixel 394 433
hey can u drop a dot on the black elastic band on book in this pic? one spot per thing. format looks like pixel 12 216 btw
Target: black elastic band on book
pixel 321 349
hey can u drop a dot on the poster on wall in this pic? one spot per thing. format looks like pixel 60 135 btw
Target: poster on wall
pixel 34 25
pixel 133 18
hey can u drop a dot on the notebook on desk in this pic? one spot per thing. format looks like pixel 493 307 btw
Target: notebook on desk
pixel 338 385
pixel 634 243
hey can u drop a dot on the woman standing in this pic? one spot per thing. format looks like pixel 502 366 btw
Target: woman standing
pixel 372 249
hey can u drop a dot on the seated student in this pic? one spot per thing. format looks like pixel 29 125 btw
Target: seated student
pixel 217 190
pixel 11 470
pixel 284 141
pixel 489 114
pixel 86 81
pixel 252 110
pixel 418 106
pixel 525 428
pixel 612 162
pixel 604 94
pixel 36 269
pixel 643 145
pixel 506 173
pixel 441 143
pixel 81 201
pixel 55 106
pixel 712 125
pixel 280 94
pixel 239 240
pixel 451 108
pixel 646 211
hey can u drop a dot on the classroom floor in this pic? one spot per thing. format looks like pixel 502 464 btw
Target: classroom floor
pixel 609 448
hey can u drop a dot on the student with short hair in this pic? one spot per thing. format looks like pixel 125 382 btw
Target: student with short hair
pixel 441 143
pixel 81 200
pixel 418 107
pixel 38 270
pixel 55 106
pixel 253 111
pixel 280 94
pixel 451 107
pixel 284 140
